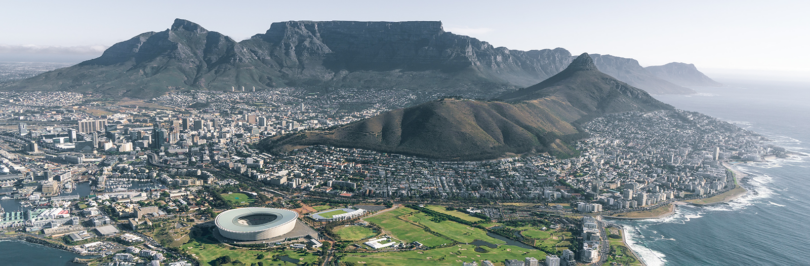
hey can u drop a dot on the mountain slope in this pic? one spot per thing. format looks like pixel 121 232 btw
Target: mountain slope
pixel 148 65
pixel 539 119
pixel 630 71
pixel 416 55
pixel 584 87
pixel 682 74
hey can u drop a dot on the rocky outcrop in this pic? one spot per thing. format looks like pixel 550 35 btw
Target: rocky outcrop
pixel 682 74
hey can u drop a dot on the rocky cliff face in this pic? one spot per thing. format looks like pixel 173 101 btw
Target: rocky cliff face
pixel 316 55
pixel 682 74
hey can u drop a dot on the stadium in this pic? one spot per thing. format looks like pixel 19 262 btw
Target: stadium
pixel 337 214
pixel 253 224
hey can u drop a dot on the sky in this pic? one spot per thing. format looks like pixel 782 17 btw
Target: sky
pixel 716 36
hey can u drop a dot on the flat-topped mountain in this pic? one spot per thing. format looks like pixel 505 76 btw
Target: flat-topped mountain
pixel 540 118
pixel 682 74
pixel 317 55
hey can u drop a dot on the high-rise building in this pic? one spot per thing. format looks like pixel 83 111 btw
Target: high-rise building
pixel 641 198
pixel 187 123
pixel 551 260
pixel 72 135
pixel 33 147
pixel 87 126
pixel 22 128
pixel 251 118
pixel 262 121
pixel 95 140
pixel 568 258
pixel 627 194
pixel 198 124
pixel 530 261
pixel 717 153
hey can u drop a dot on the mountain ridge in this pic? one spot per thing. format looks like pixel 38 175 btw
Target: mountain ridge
pixel 414 55
pixel 540 118
pixel 682 74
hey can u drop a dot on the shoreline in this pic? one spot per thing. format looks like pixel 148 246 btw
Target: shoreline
pixel 732 194
pixel 624 240
pixel 670 212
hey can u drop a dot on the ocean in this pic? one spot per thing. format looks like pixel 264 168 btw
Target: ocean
pixel 13 252
pixel 770 225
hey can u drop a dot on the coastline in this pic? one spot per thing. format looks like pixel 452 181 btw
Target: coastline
pixel 642 215
pixel 736 192
pixel 636 255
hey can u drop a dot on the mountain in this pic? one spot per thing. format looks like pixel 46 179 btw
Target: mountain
pixel 540 118
pixel 587 89
pixel 631 72
pixel 682 74
pixel 416 55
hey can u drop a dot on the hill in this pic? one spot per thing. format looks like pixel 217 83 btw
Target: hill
pixel 682 74
pixel 416 55
pixel 541 118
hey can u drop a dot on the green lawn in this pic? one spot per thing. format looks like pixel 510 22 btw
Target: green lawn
pixel 354 232
pixel 237 198
pixel 536 233
pixel 454 255
pixel 207 249
pixel 549 238
pixel 329 215
pixel 619 252
pixel 454 213
pixel 321 207
pixel 453 230
pixel 405 231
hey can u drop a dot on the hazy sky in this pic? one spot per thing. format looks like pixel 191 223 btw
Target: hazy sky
pixel 766 35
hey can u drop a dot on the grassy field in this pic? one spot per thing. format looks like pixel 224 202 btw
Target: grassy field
pixel 404 230
pixel 354 232
pixel 237 198
pixel 619 252
pixel 453 255
pixel 321 207
pixel 654 213
pixel 453 230
pixel 536 233
pixel 207 249
pixel 329 215
pixel 457 214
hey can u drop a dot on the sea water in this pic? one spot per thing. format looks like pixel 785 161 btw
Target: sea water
pixel 770 225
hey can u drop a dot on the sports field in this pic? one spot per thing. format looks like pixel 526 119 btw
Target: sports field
pixel 321 207
pixel 329 215
pixel 453 230
pixel 354 232
pixel 237 198
pixel 457 214
pixel 405 231
pixel 204 247
pixel 454 255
